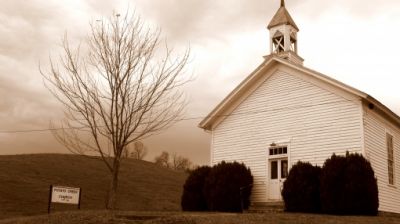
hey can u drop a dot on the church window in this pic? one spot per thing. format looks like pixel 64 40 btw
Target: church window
pixel 273 151
pixel 390 159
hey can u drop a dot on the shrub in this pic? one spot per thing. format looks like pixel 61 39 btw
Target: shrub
pixel 301 188
pixel 193 198
pixel 223 187
pixel 348 186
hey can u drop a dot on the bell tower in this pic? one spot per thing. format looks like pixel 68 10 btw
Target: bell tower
pixel 283 35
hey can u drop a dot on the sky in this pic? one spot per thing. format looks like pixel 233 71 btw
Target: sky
pixel 353 41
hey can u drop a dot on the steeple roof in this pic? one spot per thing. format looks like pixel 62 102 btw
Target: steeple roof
pixel 282 17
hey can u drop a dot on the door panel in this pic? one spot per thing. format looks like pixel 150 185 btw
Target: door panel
pixel 284 169
pixel 274 170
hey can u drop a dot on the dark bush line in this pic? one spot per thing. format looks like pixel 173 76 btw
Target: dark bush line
pixel 225 187
pixel 346 185
pixel 301 189
pixel 193 198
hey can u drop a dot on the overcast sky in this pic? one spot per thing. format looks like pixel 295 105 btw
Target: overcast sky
pixel 353 41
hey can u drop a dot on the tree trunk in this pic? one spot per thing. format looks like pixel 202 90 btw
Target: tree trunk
pixel 112 191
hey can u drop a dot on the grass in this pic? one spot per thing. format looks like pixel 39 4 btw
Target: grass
pixel 144 187
pixel 25 180
pixel 103 217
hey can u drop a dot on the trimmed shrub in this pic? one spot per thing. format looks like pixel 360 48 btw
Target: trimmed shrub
pixel 223 187
pixel 348 186
pixel 301 188
pixel 193 198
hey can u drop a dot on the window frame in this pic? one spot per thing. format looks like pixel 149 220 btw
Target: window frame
pixel 278 155
pixel 390 158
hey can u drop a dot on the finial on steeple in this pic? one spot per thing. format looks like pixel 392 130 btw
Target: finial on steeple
pixel 282 3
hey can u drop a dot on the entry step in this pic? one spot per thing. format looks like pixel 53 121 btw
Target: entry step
pixel 266 207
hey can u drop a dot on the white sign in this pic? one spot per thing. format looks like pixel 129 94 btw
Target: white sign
pixel 66 195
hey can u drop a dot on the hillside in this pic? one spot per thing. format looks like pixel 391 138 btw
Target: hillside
pixel 25 181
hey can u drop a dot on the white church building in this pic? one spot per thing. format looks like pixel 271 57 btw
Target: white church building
pixel 284 112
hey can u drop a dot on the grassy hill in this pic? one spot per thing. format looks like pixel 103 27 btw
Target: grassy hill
pixel 25 180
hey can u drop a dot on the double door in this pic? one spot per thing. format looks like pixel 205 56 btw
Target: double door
pixel 278 172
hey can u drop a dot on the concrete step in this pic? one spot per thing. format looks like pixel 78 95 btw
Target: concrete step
pixel 266 207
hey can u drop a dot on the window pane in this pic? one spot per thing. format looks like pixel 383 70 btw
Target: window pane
pixel 284 150
pixel 271 152
pixel 284 169
pixel 391 178
pixel 275 151
pixel 274 170
pixel 391 174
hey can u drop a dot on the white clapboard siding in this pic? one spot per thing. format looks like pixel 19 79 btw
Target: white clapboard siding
pixel 285 108
pixel 375 128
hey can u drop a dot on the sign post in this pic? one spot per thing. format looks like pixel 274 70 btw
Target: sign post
pixel 64 195
pixel 49 203
pixel 80 195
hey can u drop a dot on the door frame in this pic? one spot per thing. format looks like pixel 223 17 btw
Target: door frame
pixel 279 157
pixel 279 180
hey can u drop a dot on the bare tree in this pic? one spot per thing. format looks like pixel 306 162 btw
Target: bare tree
pixel 180 163
pixel 118 89
pixel 177 162
pixel 137 151
pixel 162 160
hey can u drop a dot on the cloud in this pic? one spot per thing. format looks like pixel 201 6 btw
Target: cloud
pixel 204 19
pixel 228 40
pixel 357 8
pixel 30 31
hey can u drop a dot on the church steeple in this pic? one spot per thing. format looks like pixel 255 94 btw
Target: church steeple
pixel 283 35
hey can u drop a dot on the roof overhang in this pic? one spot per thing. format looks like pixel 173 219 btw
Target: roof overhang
pixel 381 109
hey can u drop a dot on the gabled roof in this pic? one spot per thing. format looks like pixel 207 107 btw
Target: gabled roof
pixel 250 83
pixel 282 17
